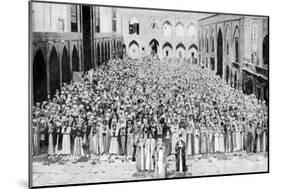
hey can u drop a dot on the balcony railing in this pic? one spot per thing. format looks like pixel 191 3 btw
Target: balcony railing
pixel 258 70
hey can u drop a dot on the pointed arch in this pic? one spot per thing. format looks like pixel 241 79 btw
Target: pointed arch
pixel 167 44
pixel 75 60
pixel 66 73
pixel 180 45
pixel 154 44
pixel 154 25
pixel 133 42
pixel 193 46
pixel 191 31
pixel 179 29
pixel 167 50
pixel 134 50
pixel 54 66
pixel 167 28
pixel 39 77
pixel 180 51
pixel 153 41
pixel 236 32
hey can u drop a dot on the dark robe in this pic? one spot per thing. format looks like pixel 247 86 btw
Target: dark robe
pixel 250 142
pixel 159 131
pixel 122 140
pixel 264 140
pixel 180 156
pixel 58 138
pixel 167 142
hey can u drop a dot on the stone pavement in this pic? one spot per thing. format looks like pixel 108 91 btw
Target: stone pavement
pixel 68 171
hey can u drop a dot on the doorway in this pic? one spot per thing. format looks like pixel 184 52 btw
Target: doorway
pixel 39 78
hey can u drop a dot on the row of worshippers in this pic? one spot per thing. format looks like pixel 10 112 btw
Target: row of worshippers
pixel 124 100
pixel 120 138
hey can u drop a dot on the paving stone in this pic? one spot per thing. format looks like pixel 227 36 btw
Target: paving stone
pixel 86 172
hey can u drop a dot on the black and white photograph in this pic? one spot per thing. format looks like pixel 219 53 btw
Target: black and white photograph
pixel 124 94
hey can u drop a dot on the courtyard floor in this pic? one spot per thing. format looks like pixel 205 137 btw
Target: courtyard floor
pixel 66 170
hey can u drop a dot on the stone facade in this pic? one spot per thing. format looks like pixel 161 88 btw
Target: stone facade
pixel 236 48
pixel 164 34
pixel 74 38
pixel 65 39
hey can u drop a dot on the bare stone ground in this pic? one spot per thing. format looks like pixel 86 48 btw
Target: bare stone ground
pixel 65 170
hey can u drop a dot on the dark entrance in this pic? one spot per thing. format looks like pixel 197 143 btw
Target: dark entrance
pixel 235 79
pixel 54 72
pixel 123 51
pixel 108 50
pixel 227 74
pixel 98 54
pixel 154 46
pixel 219 54
pixel 249 87
pixel 102 53
pixel 66 73
pixel 39 78
pixel 212 62
pixel 87 37
pixel 75 60
pixel 105 50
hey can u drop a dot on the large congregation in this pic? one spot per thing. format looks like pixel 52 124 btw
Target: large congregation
pixel 147 110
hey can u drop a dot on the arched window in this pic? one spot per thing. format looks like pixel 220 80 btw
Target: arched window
pixel 179 29
pixel 254 42
pixel 191 31
pixel 154 25
pixel 167 28
pixel 134 26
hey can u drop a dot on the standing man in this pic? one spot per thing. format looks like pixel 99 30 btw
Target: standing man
pixel 180 156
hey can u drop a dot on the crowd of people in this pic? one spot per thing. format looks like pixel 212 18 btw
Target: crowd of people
pixel 147 110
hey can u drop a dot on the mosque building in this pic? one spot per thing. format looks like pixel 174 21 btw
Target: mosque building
pixel 236 47
pixel 69 39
